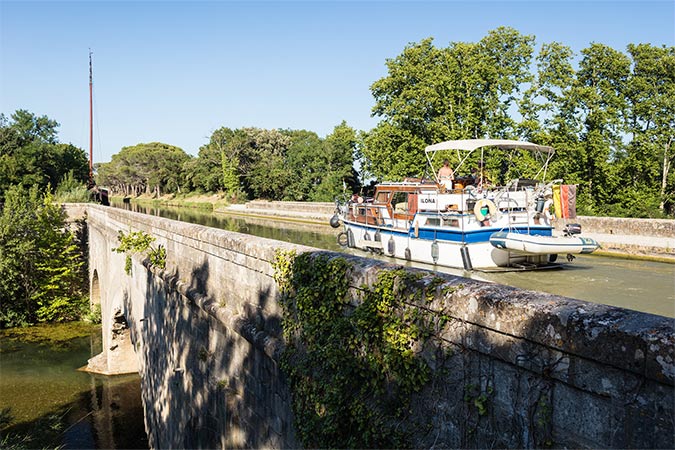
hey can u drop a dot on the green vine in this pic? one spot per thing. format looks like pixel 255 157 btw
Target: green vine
pixel 140 242
pixel 473 396
pixel 351 362
pixel 283 267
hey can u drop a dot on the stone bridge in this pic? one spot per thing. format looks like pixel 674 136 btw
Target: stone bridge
pixel 205 334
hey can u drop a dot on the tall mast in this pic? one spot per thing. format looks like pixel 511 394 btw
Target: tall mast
pixel 91 125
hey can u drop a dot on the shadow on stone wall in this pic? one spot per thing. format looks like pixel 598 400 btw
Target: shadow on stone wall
pixel 205 382
pixel 507 367
pixel 523 369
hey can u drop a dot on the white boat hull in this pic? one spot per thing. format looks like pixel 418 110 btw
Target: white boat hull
pixel 540 245
pixel 456 254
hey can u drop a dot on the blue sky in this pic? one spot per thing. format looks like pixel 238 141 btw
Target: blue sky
pixel 175 71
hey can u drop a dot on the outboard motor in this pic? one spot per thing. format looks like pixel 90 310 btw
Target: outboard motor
pixel 572 229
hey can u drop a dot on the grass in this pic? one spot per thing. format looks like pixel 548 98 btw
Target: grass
pixel 53 334
pixel 191 200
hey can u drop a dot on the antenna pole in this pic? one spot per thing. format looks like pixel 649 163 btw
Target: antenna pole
pixel 91 124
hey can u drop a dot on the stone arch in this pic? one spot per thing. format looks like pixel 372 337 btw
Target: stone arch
pixel 94 292
pixel 118 355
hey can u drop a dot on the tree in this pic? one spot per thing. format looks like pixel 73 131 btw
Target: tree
pixel 276 164
pixel 542 103
pixel 152 168
pixel 30 153
pixel 651 121
pixel 392 153
pixel 431 95
pixel 336 162
pixel 262 163
pixel 40 262
pixel 249 159
pixel 598 97
pixel 304 167
pixel 204 172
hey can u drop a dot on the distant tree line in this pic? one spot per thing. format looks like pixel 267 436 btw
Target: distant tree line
pixel 244 164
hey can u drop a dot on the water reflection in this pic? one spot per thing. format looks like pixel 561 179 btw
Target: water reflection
pixel 639 285
pixel 47 399
pixel 300 233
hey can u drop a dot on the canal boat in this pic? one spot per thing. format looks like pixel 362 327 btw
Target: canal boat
pixel 469 222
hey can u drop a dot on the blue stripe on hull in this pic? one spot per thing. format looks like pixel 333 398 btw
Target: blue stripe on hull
pixel 383 230
pixel 457 236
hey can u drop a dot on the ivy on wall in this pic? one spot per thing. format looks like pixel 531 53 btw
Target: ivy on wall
pixel 140 242
pixel 352 353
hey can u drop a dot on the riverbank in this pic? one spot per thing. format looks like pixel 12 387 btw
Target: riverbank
pixel 641 239
pixel 200 201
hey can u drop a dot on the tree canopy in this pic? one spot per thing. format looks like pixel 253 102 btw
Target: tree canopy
pixel 274 164
pixel 30 154
pixel 41 265
pixel 144 168
pixel 610 119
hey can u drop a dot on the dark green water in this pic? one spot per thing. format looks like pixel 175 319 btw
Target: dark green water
pixel 639 285
pixel 43 396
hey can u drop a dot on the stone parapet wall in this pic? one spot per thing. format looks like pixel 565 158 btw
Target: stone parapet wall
pixel 208 336
pixel 309 207
pixel 205 331
pixel 546 370
pixel 626 226
pixel 634 236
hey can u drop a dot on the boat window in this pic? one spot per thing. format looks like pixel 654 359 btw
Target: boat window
pixel 362 211
pixel 447 222
pixel 400 202
pixel 434 221
pixel 382 197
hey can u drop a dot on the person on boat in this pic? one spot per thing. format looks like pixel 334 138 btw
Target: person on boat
pixel 472 177
pixel 544 217
pixel 482 179
pixel 446 174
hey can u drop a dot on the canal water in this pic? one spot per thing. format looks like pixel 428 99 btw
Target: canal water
pixel 46 402
pixel 634 284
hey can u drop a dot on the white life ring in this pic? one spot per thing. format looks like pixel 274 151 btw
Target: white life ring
pixel 480 204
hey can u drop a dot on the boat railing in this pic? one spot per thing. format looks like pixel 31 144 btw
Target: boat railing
pixel 371 213
pixel 516 200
